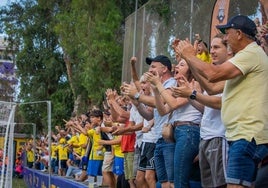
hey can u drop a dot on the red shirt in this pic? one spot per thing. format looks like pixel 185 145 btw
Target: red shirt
pixel 128 141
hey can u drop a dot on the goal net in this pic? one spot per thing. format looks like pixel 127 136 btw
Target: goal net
pixel 7 112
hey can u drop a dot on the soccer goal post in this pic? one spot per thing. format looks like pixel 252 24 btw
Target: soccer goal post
pixel 7 113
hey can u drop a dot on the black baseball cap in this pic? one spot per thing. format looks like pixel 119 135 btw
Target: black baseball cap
pixel 241 22
pixel 162 59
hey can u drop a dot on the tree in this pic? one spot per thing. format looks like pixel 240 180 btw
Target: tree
pixel 41 70
pixel 91 34
pixel 68 52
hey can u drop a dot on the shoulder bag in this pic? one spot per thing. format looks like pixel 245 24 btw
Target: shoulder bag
pixel 168 130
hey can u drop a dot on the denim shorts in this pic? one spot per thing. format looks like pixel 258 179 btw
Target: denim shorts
pixel 243 160
pixel 164 160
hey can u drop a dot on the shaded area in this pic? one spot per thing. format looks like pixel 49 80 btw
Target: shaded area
pixel 158 24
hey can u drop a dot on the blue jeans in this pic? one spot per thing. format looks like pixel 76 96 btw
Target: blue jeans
pixel 53 165
pixel 243 159
pixel 72 170
pixel 187 139
pixel 164 160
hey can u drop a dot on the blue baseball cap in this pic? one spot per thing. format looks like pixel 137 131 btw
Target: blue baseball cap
pixel 241 22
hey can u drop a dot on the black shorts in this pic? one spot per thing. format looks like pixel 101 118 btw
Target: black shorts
pixel 30 164
pixel 147 156
pixel 62 164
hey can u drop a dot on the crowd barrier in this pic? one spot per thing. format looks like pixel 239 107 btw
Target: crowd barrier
pixel 37 179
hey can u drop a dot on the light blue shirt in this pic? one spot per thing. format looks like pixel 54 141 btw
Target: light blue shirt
pixel 159 120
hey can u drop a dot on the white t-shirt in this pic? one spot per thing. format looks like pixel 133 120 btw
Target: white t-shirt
pixel 211 124
pixel 151 135
pixel 137 118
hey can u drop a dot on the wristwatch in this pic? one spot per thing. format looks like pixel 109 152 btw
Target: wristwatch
pixel 137 96
pixel 193 95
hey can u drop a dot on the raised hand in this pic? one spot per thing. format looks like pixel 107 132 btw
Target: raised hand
pixel 185 88
pixel 185 49
pixel 153 78
pixel 110 95
pixel 129 89
pixel 133 60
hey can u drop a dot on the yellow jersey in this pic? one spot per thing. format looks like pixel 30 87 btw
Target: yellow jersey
pixel 83 139
pixel 95 153
pixel 30 156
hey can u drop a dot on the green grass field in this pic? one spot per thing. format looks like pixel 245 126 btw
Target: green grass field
pixel 18 183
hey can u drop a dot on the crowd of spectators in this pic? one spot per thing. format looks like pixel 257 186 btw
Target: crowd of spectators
pixel 120 143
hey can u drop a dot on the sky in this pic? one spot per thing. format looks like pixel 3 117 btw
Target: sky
pixel 3 2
